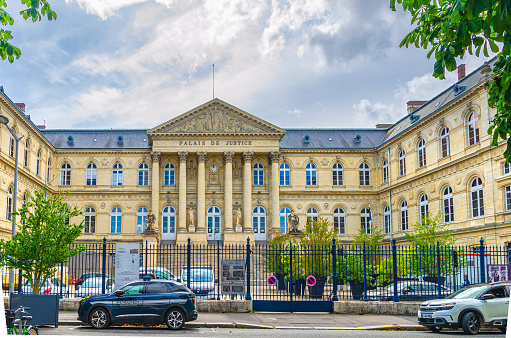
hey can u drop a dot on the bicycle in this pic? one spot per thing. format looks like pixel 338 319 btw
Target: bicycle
pixel 12 322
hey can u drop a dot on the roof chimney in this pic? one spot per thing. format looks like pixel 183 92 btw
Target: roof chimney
pixel 42 127
pixel 413 105
pixel 383 125
pixel 21 106
pixel 461 71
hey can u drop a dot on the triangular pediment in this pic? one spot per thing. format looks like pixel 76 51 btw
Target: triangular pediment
pixel 218 117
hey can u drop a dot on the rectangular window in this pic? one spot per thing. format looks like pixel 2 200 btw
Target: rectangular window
pixel 339 225
pixel 11 147
pixel 387 223
pixel 284 177
pixel 508 246
pixel 448 210
pixel 143 177
pixel 508 198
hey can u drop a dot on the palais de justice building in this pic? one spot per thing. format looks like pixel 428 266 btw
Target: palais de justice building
pixel 218 172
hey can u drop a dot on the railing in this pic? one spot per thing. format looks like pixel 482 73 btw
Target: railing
pixel 391 272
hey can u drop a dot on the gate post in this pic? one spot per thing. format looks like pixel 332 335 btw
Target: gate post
pixel 365 272
pixel 188 262
pixel 439 279
pixel 334 270
pixel 482 270
pixel 103 269
pixel 20 272
pixel 248 296
pixel 146 257
pixel 394 269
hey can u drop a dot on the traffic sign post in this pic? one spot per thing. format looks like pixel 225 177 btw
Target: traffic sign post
pixel 311 281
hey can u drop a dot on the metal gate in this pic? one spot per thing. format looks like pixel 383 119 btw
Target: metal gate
pixel 292 278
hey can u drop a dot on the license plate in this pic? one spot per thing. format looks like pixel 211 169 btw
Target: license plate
pixel 426 315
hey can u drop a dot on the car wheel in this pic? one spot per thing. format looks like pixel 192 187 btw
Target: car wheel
pixel 471 323
pixel 99 318
pixel 435 329
pixel 175 319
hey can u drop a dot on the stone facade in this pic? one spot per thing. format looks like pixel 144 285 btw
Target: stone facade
pixel 212 151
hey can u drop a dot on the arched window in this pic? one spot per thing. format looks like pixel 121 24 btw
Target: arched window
pixel 339 221
pixel 259 220
pixel 473 128
pixel 9 202
pixel 90 220
pixel 507 168
pixel 402 163
pixel 284 227
pixel 11 147
pixel 310 174
pixel 423 205
pixel 476 190
pixel 312 214
pixel 385 167
pixel 25 154
pixel 386 219
pixel 364 220
pixel 365 174
pixel 168 223
pixel 258 174
pixel 421 152
pixel 116 221
pixel 65 174
pixel 169 174
pixel 38 163
pixel 143 174
pixel 117 175
pixel 404 216
pixel 214 219
pixel 48 168
pixel 448 205
pixel 444 142
pixel 284 174
pixel 338 174
pixel 92 174
pixel 141 215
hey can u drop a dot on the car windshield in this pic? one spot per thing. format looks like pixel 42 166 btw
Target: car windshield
pixel 198 275
pixel 93 283
pixel 466 293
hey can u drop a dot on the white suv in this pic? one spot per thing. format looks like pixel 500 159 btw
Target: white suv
pixel 470 308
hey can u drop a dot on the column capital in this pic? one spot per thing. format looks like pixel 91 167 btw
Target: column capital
pixel 274 156
pixel 228 156
pixel 183 156
pixel 156 156
pixel 247 156
pixel 201 156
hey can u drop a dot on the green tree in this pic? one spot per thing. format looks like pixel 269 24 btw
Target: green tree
pixel 316 241
pixel 430 230
pixel 451 28
pixel 35 10
pixel 44 238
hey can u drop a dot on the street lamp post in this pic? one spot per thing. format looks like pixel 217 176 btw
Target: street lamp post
pixel 5 120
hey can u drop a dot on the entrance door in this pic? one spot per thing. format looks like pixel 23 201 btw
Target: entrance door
pixel 168 224
pixel 259 223
pixel 214 227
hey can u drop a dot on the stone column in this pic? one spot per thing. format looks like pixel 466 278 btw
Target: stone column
pixel 274 157
pixel 247 191
pixel 155 189
pixel 228 155
pixel 201 191
pixel 181 225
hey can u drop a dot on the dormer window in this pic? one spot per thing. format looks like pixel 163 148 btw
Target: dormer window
pixel 357 139
pixel 457 89
pixel 70 140
pixel 120 140
pixel 306 139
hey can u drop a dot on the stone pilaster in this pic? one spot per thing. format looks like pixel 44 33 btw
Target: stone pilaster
pixel 181 225
pixel 155 189
pixel 201 191
pixel 228 155
pixel 274 158
pixel 247 191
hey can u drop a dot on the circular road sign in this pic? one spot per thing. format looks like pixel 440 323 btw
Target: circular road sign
pixel 311 281
pixel 272 280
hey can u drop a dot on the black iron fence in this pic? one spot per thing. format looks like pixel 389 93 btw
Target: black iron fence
pixel 291 271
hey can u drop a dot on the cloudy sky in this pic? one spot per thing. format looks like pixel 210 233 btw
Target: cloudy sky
pixel 295 63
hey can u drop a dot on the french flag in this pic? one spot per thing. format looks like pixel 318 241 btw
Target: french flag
pixel 370 218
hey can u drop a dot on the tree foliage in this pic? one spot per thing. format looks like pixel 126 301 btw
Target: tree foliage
pixel 44 238
pixel 452 28
pixel 35 10
pixel 430 230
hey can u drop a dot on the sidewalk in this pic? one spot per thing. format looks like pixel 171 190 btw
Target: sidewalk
pixel 268 320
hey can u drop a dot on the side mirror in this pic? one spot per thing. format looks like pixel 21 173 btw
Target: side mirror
pixel 488 296
pixel 119 293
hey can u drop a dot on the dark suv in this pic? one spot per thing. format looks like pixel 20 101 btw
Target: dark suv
pixel 141 302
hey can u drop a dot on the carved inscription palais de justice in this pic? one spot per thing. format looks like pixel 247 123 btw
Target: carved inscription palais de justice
pixel 215 143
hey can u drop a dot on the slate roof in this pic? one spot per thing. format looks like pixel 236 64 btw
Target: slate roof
pixel 132 139
pixel 335 139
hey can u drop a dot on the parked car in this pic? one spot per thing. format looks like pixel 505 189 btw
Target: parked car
pixel 142 302
pixel 52 285
pixel 86 276
pixel 470 308
pixel 408 290
pixel 202 281
pixel 160 273
pixel 94 286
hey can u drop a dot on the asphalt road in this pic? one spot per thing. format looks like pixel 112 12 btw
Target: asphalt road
pixel 204 332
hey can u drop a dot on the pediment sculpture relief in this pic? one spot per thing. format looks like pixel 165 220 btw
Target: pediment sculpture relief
pixel 215 121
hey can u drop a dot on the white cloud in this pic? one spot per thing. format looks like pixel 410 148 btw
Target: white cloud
pixel 296 112
pixel 107 8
